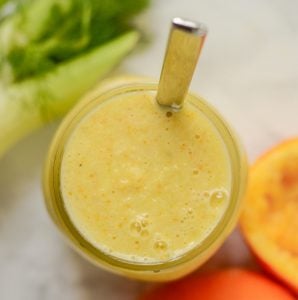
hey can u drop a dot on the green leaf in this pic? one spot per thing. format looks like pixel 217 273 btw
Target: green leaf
pixel 44 33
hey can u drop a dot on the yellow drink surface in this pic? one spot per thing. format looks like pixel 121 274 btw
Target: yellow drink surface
pixel 142 183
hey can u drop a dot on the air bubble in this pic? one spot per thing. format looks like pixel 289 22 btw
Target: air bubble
pixel 189 210
pixel 218 198
pixel 138 226
pixel 144 222
pixel 135 227
pixel 160 245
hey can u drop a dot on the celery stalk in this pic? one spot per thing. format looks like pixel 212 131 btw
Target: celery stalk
pixel 27 105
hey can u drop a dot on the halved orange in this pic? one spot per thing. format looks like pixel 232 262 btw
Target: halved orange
pixel 270 218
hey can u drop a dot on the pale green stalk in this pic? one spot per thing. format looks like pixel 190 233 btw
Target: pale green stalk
pixel 27 105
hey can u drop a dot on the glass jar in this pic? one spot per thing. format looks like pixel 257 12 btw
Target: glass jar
pixel 165 270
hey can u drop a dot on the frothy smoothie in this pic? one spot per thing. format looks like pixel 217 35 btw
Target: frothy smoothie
pixel 142 183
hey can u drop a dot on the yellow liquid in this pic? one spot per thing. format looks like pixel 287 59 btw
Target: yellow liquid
pixel 142 183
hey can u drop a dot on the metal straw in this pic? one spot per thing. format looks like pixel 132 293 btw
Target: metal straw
pixel 184 46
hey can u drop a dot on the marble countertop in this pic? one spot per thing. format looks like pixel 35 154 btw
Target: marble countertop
pixel 248 70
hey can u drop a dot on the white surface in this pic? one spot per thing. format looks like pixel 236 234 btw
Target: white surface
pixel 248 70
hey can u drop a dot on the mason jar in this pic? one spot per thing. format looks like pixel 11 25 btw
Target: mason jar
pixel 70 220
